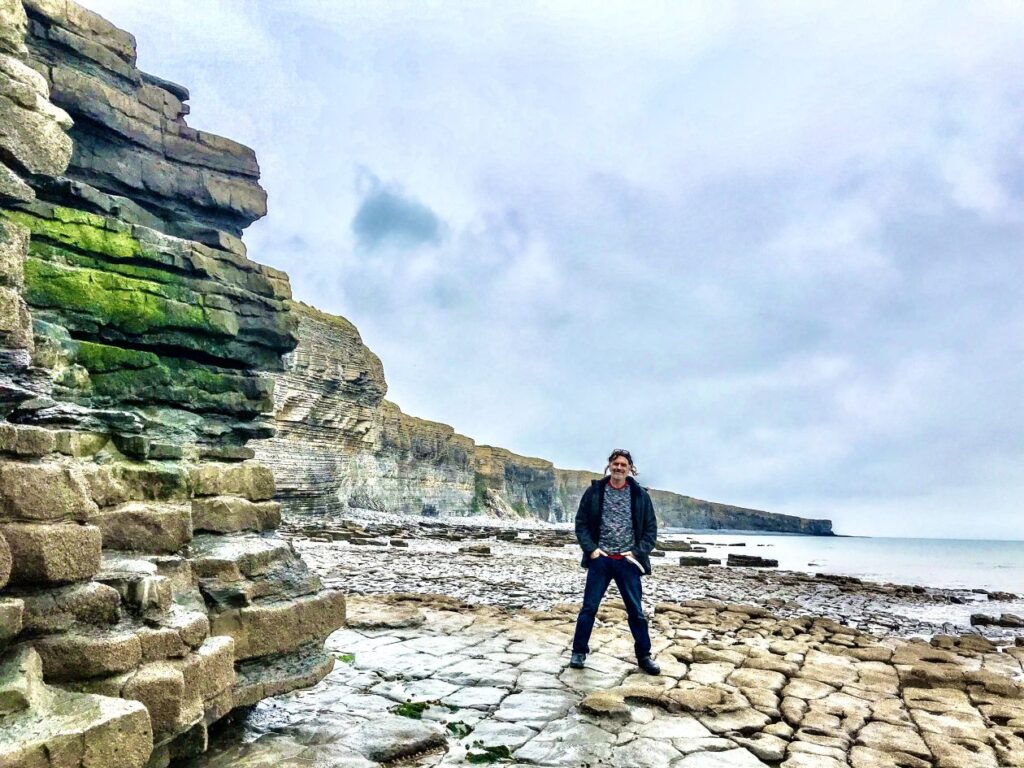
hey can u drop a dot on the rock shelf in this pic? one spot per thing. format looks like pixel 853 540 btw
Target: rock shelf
pixel 433 681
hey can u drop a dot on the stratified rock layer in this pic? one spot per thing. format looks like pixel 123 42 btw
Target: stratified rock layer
pixel 340 444
pixel 143 588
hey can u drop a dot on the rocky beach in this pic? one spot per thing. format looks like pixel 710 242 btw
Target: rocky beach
pixel 220 545
pixel 456 652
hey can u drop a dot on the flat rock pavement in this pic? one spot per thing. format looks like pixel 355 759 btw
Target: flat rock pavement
pixel 428 680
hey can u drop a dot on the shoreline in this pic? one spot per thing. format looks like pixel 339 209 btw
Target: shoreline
pixel 391 554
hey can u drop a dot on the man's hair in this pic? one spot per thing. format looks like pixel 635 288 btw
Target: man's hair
pixel 624 454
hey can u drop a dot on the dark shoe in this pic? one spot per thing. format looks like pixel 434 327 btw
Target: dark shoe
pixel 576 662
pixel 648 665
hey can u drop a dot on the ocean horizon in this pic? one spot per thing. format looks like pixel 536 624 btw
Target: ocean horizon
pixel 948 563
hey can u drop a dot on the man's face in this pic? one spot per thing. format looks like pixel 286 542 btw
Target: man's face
pixel 619 467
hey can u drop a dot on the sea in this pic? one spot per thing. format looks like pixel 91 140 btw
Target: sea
pixel 945 563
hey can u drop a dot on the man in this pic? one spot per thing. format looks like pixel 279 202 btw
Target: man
pixel 616 529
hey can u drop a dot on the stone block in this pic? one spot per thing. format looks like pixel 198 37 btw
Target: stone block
pixel 15 320
pixel 161 688
pixel 52 553
pixel 261 630
pixel 145 527
pixel 230 558
pixel 231 514
pixel 153 481
pixel 59 609
pixel 250 480
pixel 27 441
pixel 11 611
pixel 88 653
pixel 79 444
pixel 216 666
pixel 161 643
pixel 43 492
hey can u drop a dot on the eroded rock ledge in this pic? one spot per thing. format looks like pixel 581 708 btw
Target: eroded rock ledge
pixel 340 443
pixel 144 592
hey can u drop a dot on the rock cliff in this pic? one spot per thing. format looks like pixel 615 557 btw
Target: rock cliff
pixel 143 591
pixel 340 443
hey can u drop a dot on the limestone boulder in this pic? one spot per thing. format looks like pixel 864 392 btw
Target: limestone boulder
pixel 250 480
pixel 145 527
pixel 60 609
pixel 281 626
pixel 79 729
pixel 231 514
pixel 82 654
pixel 42 492
pixel 21 680
pixel 52 553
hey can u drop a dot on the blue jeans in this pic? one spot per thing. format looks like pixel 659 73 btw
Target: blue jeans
pixel 600 573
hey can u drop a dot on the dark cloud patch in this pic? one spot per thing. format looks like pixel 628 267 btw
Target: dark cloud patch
pixel 388 217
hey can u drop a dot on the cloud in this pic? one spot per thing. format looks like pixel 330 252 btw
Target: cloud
pixel 387 217
pixel 774 249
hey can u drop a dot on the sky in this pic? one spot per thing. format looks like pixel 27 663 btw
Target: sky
pixel 774 249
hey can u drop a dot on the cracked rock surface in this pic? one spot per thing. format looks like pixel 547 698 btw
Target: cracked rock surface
pixel 455 684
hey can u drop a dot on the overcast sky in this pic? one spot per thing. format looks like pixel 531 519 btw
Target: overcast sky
pixel 776 250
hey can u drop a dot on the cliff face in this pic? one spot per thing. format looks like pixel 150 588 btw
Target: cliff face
pixel 340 444
pixel 677 511
pixel 143 592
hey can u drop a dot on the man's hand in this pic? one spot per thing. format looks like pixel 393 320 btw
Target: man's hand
pixel 596 554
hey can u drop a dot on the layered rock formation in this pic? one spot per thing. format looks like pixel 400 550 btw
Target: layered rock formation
pixel 143 591
pixel 340 444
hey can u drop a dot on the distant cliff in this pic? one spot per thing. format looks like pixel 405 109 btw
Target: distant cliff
pixel 340 443
pixel 678 511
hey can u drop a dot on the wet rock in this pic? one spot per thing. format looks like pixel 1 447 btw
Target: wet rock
pixel 751 561
pixel 698 561
pixel 392 738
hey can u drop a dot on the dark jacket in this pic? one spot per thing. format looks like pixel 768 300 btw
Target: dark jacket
pixel 645 525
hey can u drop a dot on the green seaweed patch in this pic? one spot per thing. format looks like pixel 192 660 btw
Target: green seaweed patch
pixel 82 231
pixel 345 658
pixel 478 754
pixel 412 709
pixel 60 254
pixel 135 376
pixel 459 729
pixel 129 304
pixel 103 358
